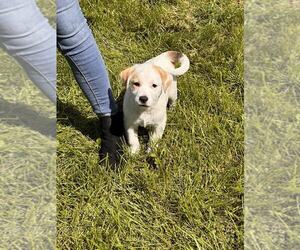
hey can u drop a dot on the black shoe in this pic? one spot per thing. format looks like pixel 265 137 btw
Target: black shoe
pixel 112 138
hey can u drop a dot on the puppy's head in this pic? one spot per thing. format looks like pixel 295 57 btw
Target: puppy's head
pixel 146 83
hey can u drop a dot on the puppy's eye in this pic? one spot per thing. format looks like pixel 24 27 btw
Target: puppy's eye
pixel 154 85
pixel 137 84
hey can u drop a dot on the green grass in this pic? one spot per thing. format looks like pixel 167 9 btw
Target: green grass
pixel 272 76
pixel 27 158
pixel 193 198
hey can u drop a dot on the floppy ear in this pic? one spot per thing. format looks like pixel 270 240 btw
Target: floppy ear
pixel 125 75
pixel 165 77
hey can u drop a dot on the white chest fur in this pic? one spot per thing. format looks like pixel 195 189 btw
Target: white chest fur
pixel 150 119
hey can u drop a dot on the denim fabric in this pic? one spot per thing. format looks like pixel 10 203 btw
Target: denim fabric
pixel 26 35
pixel 76 42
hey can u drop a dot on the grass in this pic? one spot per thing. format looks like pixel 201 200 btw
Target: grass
pixel 193 198
pixel 27 158
pixel 272 177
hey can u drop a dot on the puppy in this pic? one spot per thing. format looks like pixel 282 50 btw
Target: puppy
pixel 150 88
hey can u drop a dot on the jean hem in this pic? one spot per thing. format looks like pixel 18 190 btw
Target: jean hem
pixel 106 114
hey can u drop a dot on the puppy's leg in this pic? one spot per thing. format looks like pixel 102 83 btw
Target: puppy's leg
pixel 158 131
pixel 133 139
pixel 172 94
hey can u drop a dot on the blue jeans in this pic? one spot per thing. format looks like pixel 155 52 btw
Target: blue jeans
pixel 26 35
pixel 76 42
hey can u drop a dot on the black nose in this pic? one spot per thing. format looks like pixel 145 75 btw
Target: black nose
pixel 143 99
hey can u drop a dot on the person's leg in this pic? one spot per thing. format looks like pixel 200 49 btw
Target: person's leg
pixel 77 44
pixel 26 35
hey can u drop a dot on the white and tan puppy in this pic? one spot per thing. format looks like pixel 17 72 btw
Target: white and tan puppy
pixel 150 87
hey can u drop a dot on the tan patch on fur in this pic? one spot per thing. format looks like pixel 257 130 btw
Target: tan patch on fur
pixel 125 74
pixel 165 76
pixel 174 56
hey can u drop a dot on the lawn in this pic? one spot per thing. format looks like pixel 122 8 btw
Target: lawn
pixel 27 157
pixel 192 198
pixel 272 148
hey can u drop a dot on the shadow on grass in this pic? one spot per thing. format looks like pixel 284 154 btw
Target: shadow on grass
pixel 20 114
pixel 69 115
